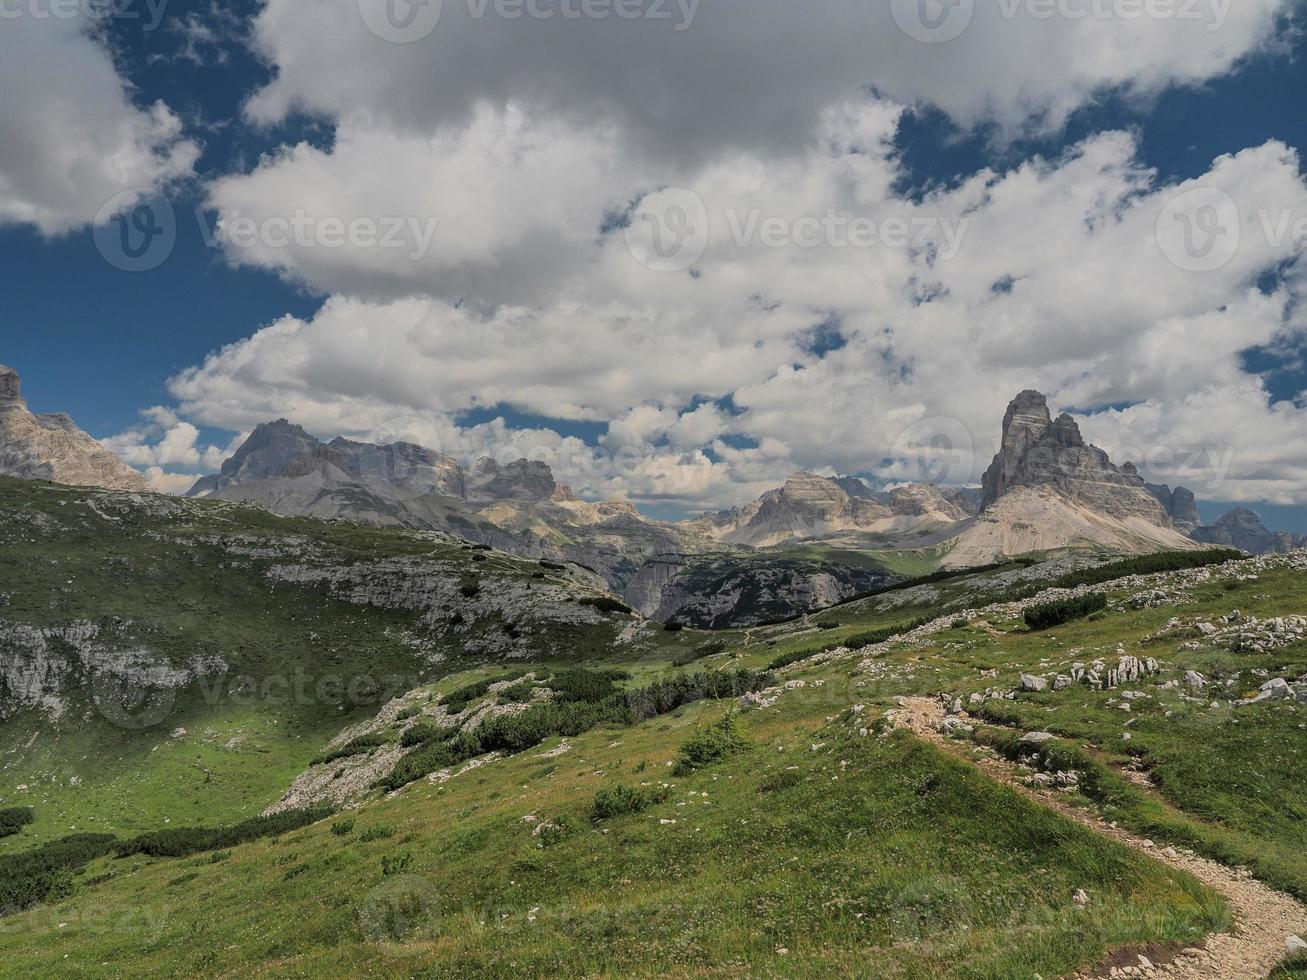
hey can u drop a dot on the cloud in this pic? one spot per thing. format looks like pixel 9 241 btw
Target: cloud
pixel 167 450
pixel 1059 273
pixel 74 141
pixel 684 81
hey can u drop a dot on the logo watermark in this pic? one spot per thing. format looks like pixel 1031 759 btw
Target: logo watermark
pixel 1204 228
pixel 407 233
pixel 136 230
pixel 670 231
pixel 407 21
pixel 941 21
pixel 149 12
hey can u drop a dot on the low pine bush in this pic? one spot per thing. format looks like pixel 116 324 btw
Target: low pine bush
pixel 621 799
pixel 426 731
pixel 184 841
pixel 45 874
pixel 708 745
pixel 606 603
pixel 359 746
pixel 13 819
pixel 1163 561
pixel 1055 613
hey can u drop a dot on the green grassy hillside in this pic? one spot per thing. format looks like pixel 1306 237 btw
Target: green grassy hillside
pixel 615 829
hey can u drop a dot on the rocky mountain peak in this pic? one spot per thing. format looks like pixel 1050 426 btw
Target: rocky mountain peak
pixel 11 386
pixel 1179 503
pixel 52 447
pixel 1024 425
pixel 523 480
pixel 1039 451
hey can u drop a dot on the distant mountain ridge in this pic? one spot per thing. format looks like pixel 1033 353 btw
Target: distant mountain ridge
pixel 815 539
pixel 52 447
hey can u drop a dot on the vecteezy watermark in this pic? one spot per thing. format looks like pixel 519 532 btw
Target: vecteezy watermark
pixel 301 230
pixel 406 21
pixel 669 230
pixel 136 230
pixel 933 21
pixel 1203 229
pixel 402 907
pixel 149 12
pixel 1200 230
pixel 130 705
pixel 940 21
pixel 401 21
pixel 837 230
pixel 934 450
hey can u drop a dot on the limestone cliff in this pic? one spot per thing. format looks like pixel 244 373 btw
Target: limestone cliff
pixel 52 447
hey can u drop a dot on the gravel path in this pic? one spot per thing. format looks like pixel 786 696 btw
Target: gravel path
pixel 1263 918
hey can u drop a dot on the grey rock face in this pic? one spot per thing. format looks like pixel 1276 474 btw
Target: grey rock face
pixel 1179 504
pixel 43 668
pixel 1040 451
pixel 52 447
pixel 1243 529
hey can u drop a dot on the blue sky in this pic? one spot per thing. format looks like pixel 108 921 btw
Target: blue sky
pixel 103 344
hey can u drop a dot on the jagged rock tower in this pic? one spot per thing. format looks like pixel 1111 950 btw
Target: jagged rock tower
pixel 1040 451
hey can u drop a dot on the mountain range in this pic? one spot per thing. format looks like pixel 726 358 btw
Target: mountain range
pixel 810 543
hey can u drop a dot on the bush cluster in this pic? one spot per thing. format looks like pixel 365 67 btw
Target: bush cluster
pixel 708 745
pixel 622 799
pixel 426 731
pixel 359 746
pixel 854 642
pixel 585 700
pixel 184 841
pixel 45 874
pixel 606 603
pixel 13 819
pixel 457 701
pixel 1049 614
pixel 1163 561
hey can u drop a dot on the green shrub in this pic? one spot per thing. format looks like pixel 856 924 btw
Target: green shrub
pixel 359 746
pixel 518 693
pixel 44 874
pixel 622 799
pixel 470 590
pixel 777 781
pixel 1055 613
pixel 342 828
pixel 457 701
pixel 379 832
pixel 396 864
pixel 13 819
pixel 426 731
pixel 708 745
pixel 217 857
pixel 184 841
pixel 960 624
pixel 579 684
pixel 606 603
pixel 1163 561
pixel 701 652
pixel 573 714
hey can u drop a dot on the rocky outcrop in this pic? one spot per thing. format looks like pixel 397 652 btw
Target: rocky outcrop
pixel 1040 451
pixel 1243 529
pixel 810 506
pixel 130 686
pixel 1179 504
pixel 52 447
pixel 1042 519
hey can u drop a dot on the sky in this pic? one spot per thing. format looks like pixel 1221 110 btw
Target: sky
pixel 676 250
